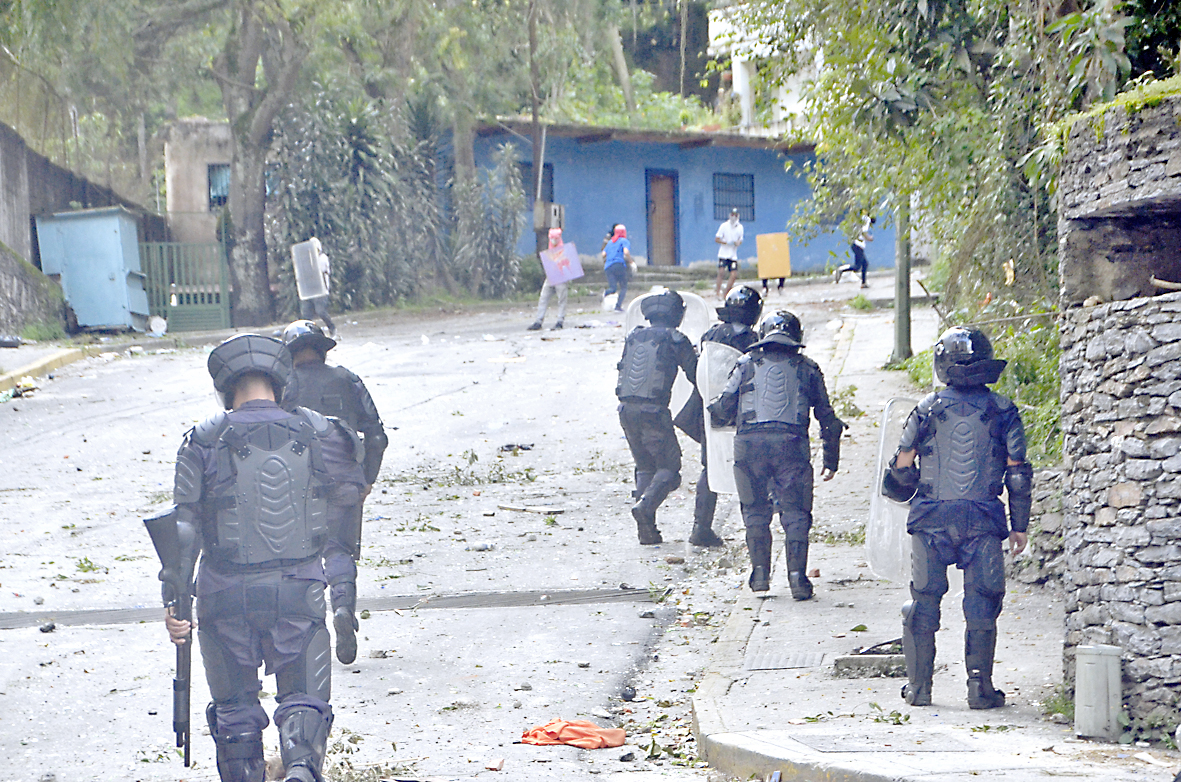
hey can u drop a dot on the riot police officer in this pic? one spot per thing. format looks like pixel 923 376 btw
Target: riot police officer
pixel 738 316
pixel 335 391
pixel 969 443
pixel 651 355
pixel 261 486
pixel 771 393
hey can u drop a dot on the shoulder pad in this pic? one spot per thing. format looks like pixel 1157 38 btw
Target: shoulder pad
pixel 926 403
pixel 808 362
pixel 677 336
pixel 351 436
pixel 207 432
pixel 1002 403
pixel 320 423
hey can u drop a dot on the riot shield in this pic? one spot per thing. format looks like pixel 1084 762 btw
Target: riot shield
pixel 695 323
pixel 886 539
pixel 305 257
pixel 713 370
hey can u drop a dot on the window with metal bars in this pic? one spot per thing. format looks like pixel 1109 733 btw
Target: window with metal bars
pixel 219 185
pixel 734 191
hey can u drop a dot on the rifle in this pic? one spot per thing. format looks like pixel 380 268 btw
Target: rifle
pixel 174 544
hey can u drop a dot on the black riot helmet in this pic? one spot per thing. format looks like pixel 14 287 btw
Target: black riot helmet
pixel 780 328
pixel 743 305
pixel 963 357
pixel 301 334
pixel 248 354
pixel 664 309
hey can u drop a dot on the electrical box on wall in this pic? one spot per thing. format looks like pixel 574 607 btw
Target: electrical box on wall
pixel 547 215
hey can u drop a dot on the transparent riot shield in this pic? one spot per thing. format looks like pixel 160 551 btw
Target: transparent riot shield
pixel 713 370
pixel 695 323
pixel 886 539
pixel 305 257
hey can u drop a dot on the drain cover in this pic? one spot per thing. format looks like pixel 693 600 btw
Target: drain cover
pixel 772 659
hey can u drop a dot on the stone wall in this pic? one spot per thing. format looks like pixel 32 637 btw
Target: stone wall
pixel 1121 420
pixel 1120 204
pixel 1046 560
pixel 26 295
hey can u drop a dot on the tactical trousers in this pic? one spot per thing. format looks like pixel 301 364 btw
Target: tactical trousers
pixel 271 620
pixel 981 559
pixel 654 447
pixel 766 464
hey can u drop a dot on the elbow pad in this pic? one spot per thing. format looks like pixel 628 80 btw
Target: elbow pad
pixel 1019 483
pixel 900 483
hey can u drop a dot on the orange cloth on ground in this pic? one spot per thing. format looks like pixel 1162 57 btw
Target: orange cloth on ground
pixel 577 732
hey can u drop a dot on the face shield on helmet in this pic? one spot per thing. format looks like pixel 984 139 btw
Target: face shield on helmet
pixel 743 305
pixel 301 334
pixel 963 357
pixel 664 309
pixel 248 354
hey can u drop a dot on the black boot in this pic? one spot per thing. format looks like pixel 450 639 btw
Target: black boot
pixel 920 668
pixel 797 570
pixel 344 620
pixel 704 504
pixel 979 648
pixel 239 758
pixel 758 546
pixel 646 524
pixel 303 740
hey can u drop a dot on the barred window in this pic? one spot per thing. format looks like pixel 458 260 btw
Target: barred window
pixel 219 184
pixel 734 191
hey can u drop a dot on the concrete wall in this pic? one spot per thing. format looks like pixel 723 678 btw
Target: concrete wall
pixel 26 295
pixel 192 145
pixel 14 193
pixel 603 183
pixel 1120 196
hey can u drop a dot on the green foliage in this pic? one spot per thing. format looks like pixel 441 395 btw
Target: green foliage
pixel 43 332
pixel 1158 726
pixel 860 302
pixel 919 369
pixel 1094 40
pixel 842 402
pixel 592 98
pixel 488 225
pixel 350 175
pixel 1033 382
pixel 1059 703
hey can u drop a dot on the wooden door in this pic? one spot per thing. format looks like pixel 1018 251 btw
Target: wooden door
pixel 662 218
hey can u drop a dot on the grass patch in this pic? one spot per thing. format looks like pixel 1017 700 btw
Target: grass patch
pixel 43 332
pixel 853 537
pixel 859 302
pixel 842 402
pixel 1059 703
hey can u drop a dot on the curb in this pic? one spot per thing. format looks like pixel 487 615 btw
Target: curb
pixel 46 365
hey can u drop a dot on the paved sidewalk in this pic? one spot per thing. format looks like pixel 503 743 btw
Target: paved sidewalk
pixel 770 700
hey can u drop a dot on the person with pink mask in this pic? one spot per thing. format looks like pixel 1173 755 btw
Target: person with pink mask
pixel 548 289
pixel 617 257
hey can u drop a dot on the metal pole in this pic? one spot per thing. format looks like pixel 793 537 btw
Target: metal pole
pixel 902 349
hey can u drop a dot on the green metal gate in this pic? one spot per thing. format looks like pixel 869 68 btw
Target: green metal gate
pixel 187 284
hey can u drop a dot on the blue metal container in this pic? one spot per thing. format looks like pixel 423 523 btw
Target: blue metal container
pixel 94 253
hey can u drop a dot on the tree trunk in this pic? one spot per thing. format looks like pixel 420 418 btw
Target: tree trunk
pixel 902 350
pixel 620 64
pixel 258 36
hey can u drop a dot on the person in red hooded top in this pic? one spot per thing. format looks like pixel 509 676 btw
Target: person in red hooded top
pixel 617 257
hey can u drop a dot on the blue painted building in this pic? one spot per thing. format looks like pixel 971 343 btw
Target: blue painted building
pixel 672 190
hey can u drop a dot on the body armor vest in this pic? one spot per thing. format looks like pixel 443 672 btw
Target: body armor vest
pixel 737 335
pixel 272 511
pixel 775 393
pixel 327 390
pixel 648 367
pixel 961 456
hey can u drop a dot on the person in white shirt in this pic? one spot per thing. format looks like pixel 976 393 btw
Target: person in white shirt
pixel 729 236
pixel 860 264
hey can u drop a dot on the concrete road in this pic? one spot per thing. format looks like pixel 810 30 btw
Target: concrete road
pixel 506 481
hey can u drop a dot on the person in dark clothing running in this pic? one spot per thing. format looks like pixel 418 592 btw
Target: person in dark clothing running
pixel 651 356
pixel 337 392
pixel 738 316
pixel 258 488
pixel 969 443
pixel 770 395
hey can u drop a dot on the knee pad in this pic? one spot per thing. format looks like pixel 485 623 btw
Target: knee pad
pixel 227 678
pixel 796 525
pixel 670 479
pixel 311 672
